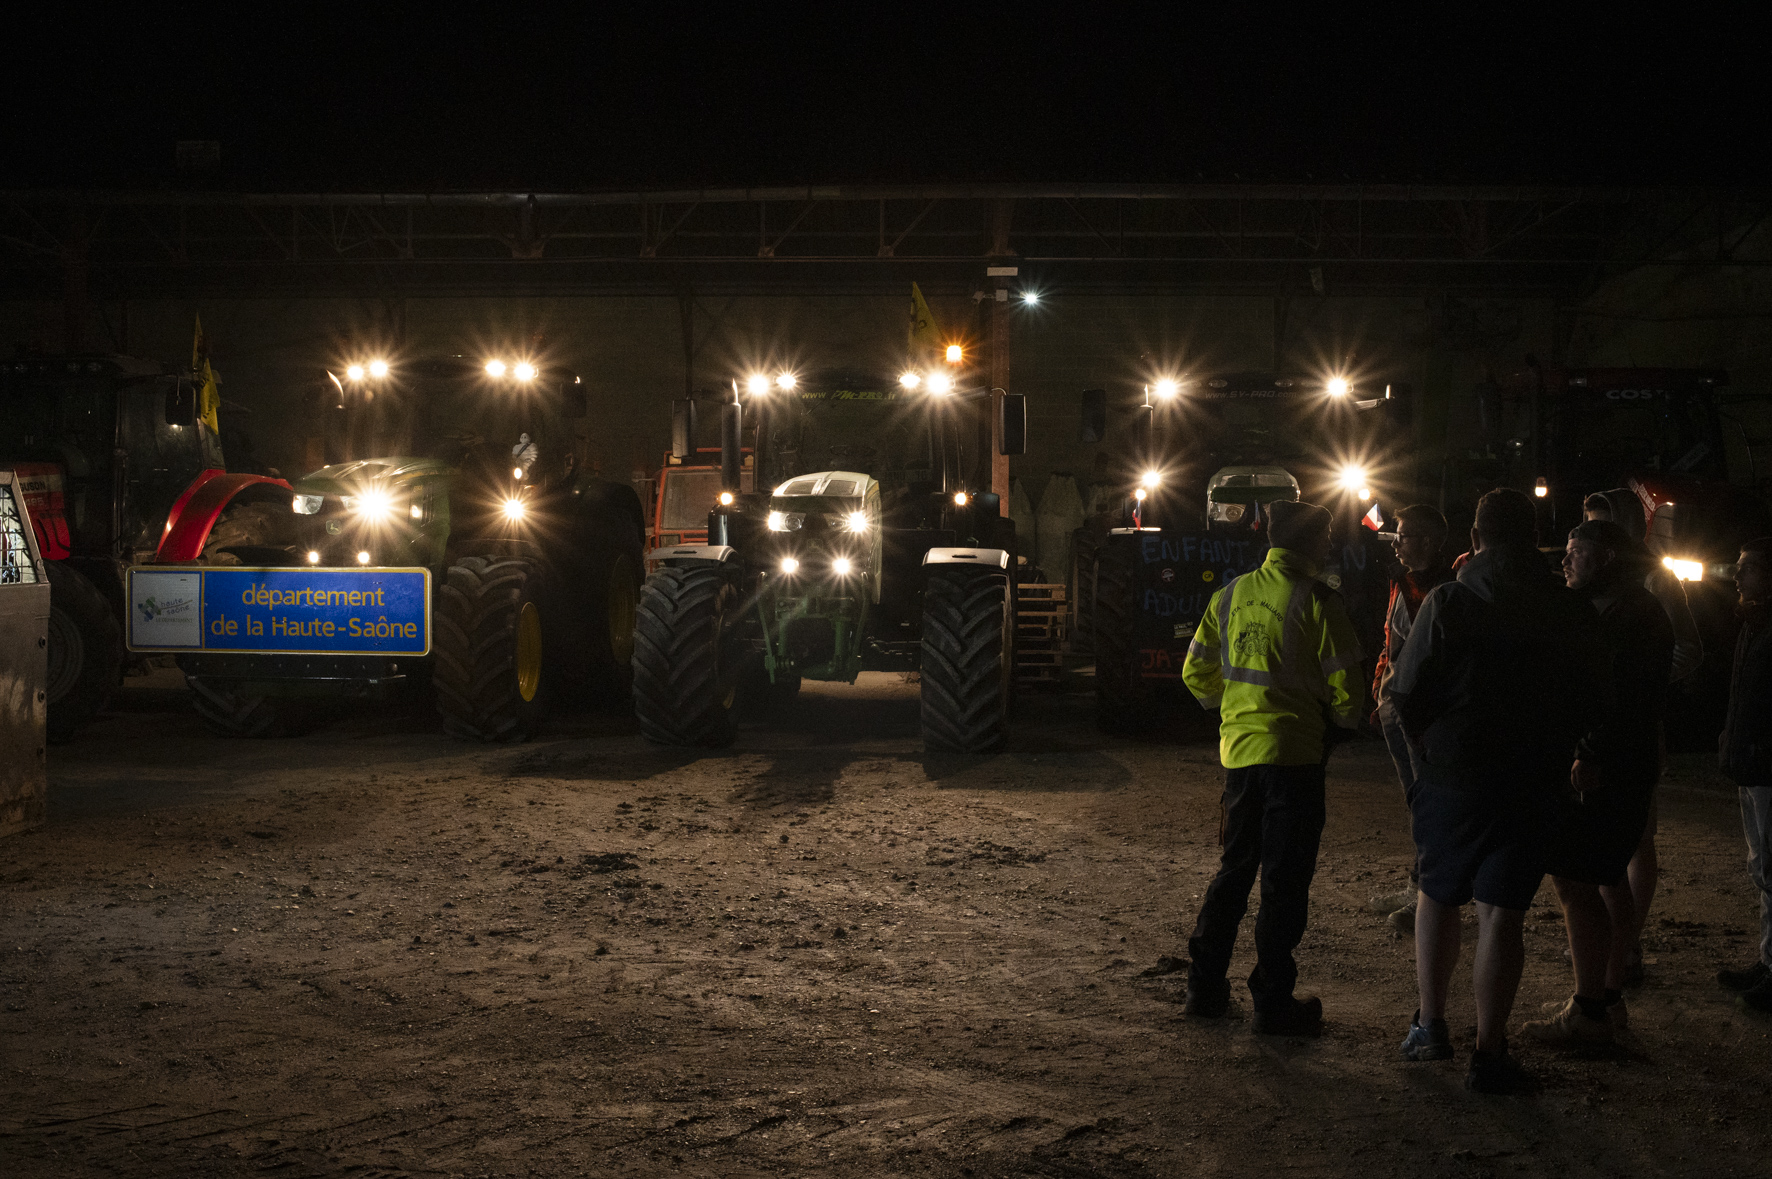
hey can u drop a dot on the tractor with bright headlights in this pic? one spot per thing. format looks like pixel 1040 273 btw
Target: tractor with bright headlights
pixel 866 546
pixel 466 481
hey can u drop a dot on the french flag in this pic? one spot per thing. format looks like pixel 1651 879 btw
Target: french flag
pixel 1373 519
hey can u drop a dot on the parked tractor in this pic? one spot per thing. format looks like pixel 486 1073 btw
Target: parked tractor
pixel 867 546
pixel 107 449
pixel 1206 457
pixel 474 470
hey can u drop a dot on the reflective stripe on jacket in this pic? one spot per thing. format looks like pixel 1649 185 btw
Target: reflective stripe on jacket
pixel 1277 656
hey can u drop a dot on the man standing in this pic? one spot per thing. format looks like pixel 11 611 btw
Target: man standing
pixel 1421 546
pixel 1616 766
pixel 1497 681
pixel 1745 750
pixel 1277 656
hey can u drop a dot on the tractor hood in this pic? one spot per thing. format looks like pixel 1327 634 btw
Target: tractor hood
pixel 838 484
pixel 1256 484
pixel 349 478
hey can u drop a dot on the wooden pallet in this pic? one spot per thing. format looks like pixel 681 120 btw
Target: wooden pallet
pixel 1042 631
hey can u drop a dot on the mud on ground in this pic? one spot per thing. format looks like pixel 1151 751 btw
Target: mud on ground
pixel 374 951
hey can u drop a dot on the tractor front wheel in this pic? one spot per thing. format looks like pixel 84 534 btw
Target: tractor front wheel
pixel 85 651
pixel 229 712
pixel 686 678
pixel 968 666
pixel 491 676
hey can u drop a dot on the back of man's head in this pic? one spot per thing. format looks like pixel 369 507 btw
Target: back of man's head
pixel 1505 517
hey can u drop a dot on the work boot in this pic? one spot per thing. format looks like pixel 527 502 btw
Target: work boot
pixel 1570 1027
pixel 1304 1017
pixel 1206 1002
pixel 1757 998
pixel 1498 1073
pixel 1430 1041
pixel 1403 920
pixel 1391 902
pixel 1743 980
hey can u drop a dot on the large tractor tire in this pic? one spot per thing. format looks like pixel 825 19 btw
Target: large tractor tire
pixel 85 651
pixel 250 533
pixel 613 607
pixel 229 712
pixel 686 677
pixel 968 665
pixel 1117 703
pixel 491 677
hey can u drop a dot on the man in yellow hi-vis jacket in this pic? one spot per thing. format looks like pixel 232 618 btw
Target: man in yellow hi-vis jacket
pixel 1277 656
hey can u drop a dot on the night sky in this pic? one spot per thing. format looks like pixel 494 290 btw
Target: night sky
pixel 502 97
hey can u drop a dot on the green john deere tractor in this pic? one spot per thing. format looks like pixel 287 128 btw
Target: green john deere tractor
pixel 475 470
pixel 889 560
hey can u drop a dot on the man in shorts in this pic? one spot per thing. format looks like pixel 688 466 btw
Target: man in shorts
pixel 1499 678
pixel 1601 824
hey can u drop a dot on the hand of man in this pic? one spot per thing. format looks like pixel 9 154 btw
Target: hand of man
pixel 1584 777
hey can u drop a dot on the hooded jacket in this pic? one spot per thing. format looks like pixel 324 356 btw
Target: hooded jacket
pixel 1503 672
pixel 1625 741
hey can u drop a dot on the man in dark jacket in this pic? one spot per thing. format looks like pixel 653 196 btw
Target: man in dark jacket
pixel 1598 828
pixel 1500 677
pixel 1420 541
pixel 1745 751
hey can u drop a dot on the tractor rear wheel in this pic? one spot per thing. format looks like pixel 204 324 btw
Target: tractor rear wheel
pixel 686 677
pixel 968 664
pixel 85 651
pixel 230 712
pixel 1111 619
pixel 491 676
pixel 250 533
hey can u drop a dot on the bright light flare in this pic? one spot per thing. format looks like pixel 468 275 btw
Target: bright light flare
pixel 1139 494
pixel 1352 478
pixel 313 557
pixel 955 354
pixel 378 368
pixel 495 368
pixel 1541 489
pixel 961 499
pixel 778 522
pixel 841 566
pixel 756 384
pixel 1684 570
pixel 524 372
pixel 786 381
pixel 354 372
pixel 514 510
pixel 789 565
pixel 910 380
pixel 858 521
pixel 1365 493
pixel 416 511
pixel 725 499
pixel 1151 478
pixel 940 383
pixel 374 504
pixel 1336 387
pixel 1030 297
pixel 363 557
pixel 1166 389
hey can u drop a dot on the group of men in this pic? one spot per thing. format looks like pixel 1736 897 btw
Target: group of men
pixel 1523 712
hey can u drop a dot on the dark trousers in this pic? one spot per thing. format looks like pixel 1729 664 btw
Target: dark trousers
pixel 1408 773
pixel 1273 822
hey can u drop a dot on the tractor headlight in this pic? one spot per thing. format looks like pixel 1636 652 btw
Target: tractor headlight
pixel 306 505
pixel 1352 478
pixel 789 564
pixel 514 510
pixel 940 383
pixel 857 521
pixel 1684 570
pixel 841 566
pixel 1151 478
pixel 786 521
pixel 371 505
pixel 1229 513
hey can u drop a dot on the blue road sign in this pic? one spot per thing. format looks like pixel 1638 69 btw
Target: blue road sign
pixel 281 611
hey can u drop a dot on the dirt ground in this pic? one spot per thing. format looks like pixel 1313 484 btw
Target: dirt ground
pixel 375 951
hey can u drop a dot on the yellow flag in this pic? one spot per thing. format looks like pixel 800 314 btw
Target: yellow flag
pixel 924 332
pixel 209 385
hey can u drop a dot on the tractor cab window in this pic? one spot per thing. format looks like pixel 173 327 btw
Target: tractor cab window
pixel 1602 434
pixel 688 498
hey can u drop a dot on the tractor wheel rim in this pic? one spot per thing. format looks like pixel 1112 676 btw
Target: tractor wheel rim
pixel 528 652
pixel 67 653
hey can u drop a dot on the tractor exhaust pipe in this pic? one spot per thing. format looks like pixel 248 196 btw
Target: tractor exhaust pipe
pixel 731 432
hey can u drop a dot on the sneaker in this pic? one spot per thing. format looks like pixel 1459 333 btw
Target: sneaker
pixel 1303 1018
pixel 1207 1004
pixel 1391 902
pixel 1743 980
pixel 1498 1073
pixel 1757 998
pixel 1570 1027
pixel 1430 1042
pixel 1403 920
